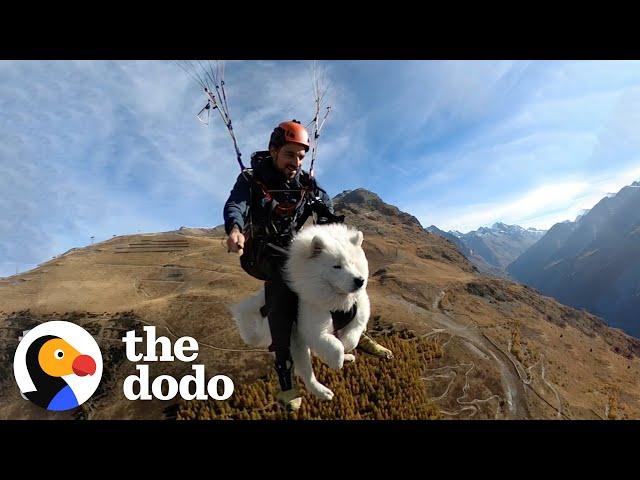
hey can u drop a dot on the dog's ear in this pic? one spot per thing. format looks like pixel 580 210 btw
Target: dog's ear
pixel 317 245
pixel 357 238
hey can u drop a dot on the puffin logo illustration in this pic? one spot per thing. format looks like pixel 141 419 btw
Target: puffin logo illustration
pixel 57 365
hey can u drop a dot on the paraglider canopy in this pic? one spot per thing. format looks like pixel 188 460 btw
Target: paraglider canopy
pixel 210 76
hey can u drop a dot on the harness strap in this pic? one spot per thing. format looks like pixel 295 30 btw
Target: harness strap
pixel 283 209
pixel 277 248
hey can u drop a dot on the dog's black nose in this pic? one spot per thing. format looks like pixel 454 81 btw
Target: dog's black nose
pixel 358 282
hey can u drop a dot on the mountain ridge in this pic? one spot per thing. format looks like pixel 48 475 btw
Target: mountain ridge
pixel 594 262
pixel 505 350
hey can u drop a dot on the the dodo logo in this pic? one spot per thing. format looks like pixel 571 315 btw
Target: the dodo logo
pixel 57 365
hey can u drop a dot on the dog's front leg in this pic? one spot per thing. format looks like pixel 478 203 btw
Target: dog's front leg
pixel 304 369
pixel 314 328
pixel 329 349
pixel 351 333
pixel 350 337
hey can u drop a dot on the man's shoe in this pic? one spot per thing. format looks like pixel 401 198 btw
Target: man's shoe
pixel 290 399
pixel 288 396
pixel 370 346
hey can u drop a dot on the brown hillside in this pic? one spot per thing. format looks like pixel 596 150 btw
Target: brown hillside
pixel 505 351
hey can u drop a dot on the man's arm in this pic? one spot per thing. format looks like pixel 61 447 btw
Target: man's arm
pixel 235 214
pixel 237 206
pixel 326 199
pixel 325 210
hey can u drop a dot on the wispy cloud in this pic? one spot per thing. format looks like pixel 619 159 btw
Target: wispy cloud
pixel 541 207
pixel 97 148
pixel 522 209
pixel 104 148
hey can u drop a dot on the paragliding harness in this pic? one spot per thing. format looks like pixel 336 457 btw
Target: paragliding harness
pixel 270 239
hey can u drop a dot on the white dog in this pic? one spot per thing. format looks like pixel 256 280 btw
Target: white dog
pixel 328 270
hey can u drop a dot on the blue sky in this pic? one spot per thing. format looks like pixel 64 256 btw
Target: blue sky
pixel 102 148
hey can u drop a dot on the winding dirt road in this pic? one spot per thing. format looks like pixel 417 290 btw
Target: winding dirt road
pixel 513 389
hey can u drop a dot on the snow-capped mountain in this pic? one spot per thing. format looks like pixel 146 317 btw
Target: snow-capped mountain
pixel 491 249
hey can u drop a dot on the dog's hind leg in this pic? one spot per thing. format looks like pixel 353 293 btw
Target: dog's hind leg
pixel 304 369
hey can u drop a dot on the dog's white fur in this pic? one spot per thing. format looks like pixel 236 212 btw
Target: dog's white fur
pixel 321 288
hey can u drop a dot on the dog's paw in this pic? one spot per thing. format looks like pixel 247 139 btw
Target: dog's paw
pixel 349 357
pixel 322 392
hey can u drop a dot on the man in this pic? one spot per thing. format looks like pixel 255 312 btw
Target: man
pixel 267 206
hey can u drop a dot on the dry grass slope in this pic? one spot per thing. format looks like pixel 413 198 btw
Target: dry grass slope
pixel 369 389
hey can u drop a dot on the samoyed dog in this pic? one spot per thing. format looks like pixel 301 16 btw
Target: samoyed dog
pixel 328 270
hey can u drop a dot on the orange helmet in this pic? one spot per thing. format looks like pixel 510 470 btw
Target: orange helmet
pixel 286 132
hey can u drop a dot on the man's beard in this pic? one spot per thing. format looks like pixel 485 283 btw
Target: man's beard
pixel 290 173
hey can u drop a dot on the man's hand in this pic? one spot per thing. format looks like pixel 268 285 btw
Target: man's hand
pixel 235 241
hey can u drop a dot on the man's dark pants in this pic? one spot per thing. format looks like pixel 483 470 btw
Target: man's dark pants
pixel 282 305
pixel 281 310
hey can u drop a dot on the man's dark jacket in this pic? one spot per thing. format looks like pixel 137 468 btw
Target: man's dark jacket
pixel 236 209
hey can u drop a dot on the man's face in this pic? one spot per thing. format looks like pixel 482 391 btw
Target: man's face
pixel 288 159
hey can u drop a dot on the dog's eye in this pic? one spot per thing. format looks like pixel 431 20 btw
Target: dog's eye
pixel 337 266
